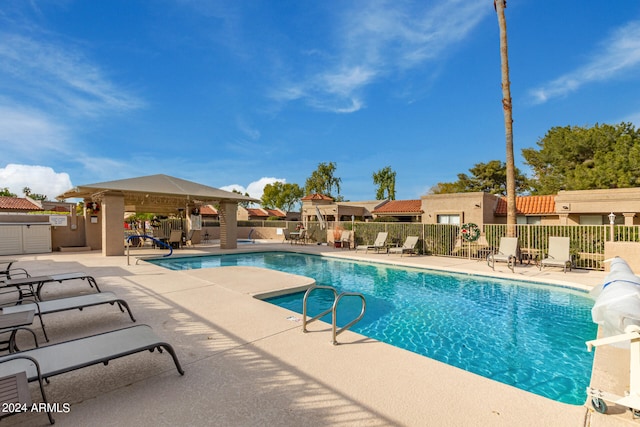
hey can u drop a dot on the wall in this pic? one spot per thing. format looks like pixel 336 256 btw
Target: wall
pixel 93 231
pixel 472 207
pixel 629 251
pixel 618 200
pixel 73 234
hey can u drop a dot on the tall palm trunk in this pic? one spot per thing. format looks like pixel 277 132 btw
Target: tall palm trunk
pixel 500 5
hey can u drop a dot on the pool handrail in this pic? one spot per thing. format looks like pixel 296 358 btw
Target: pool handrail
pixel 304 305
pixel 158 242
pixel 333 310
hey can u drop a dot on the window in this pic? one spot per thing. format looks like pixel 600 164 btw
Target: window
pixel 591 220
pixel 532 220
pixel 449 219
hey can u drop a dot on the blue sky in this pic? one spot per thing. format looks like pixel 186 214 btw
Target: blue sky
pixel 236 94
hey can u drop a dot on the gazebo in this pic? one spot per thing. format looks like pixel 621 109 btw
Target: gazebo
pixel 162 194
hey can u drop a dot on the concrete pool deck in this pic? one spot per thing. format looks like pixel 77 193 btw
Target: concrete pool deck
pixel 247 363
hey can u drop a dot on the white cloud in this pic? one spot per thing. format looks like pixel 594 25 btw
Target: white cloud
pixel 255 188
pixel 27 131
pixel 60 75
pixel 619 53
pixel 40 179
pixel 378 39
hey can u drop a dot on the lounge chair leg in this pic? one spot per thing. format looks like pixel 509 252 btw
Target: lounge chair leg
pixel 173 355
pixel 92 283
pixel 123 303
pixel 44 332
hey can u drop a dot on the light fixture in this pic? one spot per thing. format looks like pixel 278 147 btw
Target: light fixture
pixel 565 207
pixel 612 218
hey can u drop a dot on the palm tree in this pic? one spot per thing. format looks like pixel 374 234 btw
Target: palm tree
pixel 499 6
pixel 385 179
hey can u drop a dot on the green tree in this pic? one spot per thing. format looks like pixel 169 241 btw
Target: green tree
pixel 35 196
pixel 488 177
pixel 283 196
pixel 6 193
pixel 323 181
pixel 507 108
pixel 243 204
pixel 580 158
pixel 385 179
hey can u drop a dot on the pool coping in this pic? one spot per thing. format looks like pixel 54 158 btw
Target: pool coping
pixel 248 363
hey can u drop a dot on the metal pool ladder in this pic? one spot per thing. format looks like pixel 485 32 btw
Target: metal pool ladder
pixel 336 299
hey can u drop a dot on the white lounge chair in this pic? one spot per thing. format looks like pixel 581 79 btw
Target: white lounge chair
pixel 380 243
pixel 408 247
pixel 559 253
pixel 509 252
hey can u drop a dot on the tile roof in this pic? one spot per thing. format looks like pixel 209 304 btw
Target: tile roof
pixel 257 212
pixel 18 204
pixel 316 196
pixel 529 205
pixel 400 206
pixel 208 210
pixel 276 212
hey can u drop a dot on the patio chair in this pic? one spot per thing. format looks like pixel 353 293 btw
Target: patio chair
pixel 301 237
pixel 345 239
pixel 193 235
pixel 286 235
pixel 36 283
pixel 41 308
pixel 409 246
pixel 509 252
pixel 79 353
pixel 175 239
pixel 380 243
pixel 559 253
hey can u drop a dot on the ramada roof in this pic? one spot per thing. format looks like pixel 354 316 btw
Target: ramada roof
pixel 529 205
pixel 400 207
pixel 17 203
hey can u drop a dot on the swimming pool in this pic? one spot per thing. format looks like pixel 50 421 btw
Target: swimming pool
pixel 531 336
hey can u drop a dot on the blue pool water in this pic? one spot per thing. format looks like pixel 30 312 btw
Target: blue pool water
pixel 531 336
